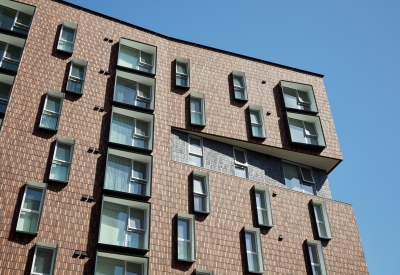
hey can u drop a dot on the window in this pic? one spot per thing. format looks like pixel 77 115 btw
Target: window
pixel 204 272
pixel 316 257
pixel 182 72
pixel 186 238
pixel 44 259
pixel 305 130
pixel 322 219
pixel 134 90
pixel 201 192
pixel 195 151
pixel 240 162
pixel 131 128
pixel 239 85
pixel 14 20
pixel 298 178
pixel 255 262
pixel 67 37
pixel 125 223
pixel 62 158
pixel 31 207
pixel 137 56
pixel 129 173
pixel 76 77
pixel 6 82
pixel 197 109
pixel 51 110
pixel 10 54
pixel 257 121
pixel 263 206
pixel 120 264
pixel 299 97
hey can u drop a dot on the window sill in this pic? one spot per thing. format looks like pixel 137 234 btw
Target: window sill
pixel 48 129
pixel 294 110
pixel 307 145
pixel 26 232
pixel 64 51
pixel 126 195
pixel 259 137
pixel 136 71
pixel 187 261
pixel 242 99
pixel 133 107
pixel 181 86
pixel 13 33
pixel 129 148
pixel 202 212
pixel 72 92
pixel 123 249
pixel 266 225
pixel 198 125
pixel 58 181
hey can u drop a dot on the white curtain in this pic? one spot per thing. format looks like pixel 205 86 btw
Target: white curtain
pixel 113 224
pixel 122 128
pixel 118 174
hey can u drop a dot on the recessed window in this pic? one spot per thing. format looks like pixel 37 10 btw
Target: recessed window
pixel 16 17
pixel 263 204
pixel 201 192
pixel 128 173
pixel 257 121
pixel 137 56
pixel 31 207
pixel 305 130
pixel 10 52
pixel 322 219
pixel 195 151
pixel 44 259
pixel 316 257
pixel 299 97
pixel 67 37
pixel 182 72
pixel 239 85
pixel 134 90
pixel 76 77
pixel 240 157
pixel 121 264
pixel 62 159
pixel 204 272
pixel 197 109
pixel 125 223
pixel 254 250
pixel 6 83
pixel 131 128
pixel 186 238
pixel 52 110
pixel 298 178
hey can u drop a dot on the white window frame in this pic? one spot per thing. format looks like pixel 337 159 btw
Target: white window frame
pixel 325 222
pixel 299 87
pixel 79 63
pixel 239 164
pixel 255 232
pixel 53 247
pixel 242 89
pixel 70 26
pixel 193 153
pixel 143 261
pixel 71 143
pixel 198 96
pixel 51 113
pixel 320 256
pixel 10 60
pixel 302 182
pixel 206 191
pixel 36 185
pixel 186 62
pixel 192 236
pixel 265 197
pixel 260 113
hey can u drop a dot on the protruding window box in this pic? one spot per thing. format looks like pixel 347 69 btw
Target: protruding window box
pixel 131 129
pixel 51 113
pixel 255 261
pixel 44 259
pixel 182 72
pixel 125 225
pixel 204 272
pixel 257 122
pixel 197 109
pixel 77 75
pixel 137 56
pixel 109 263
pixel 299 97
pixel 263 206
pixel 133 90
pixel 66 41
pixel 10 52
pixel 316 257
pixel 6 83
pixel 16 17
pixel 321 219
pixel 186 238
pixel 62 160
pixel 305 131
pixel 201 192
pixel 128 174
pixel 239 86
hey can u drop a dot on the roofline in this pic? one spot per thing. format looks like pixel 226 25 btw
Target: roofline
pixel 187 42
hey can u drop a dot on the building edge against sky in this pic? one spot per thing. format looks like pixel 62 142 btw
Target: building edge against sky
pixel 124 151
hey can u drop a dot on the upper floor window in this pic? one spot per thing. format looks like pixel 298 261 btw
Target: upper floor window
pixel 201 192
pixel 196 151
pixel 254 250
pixel 322 219
pixel 6 82
pixel 306 130
pixel 62 159
pixel 186 238
pixel 76 77
pixel 16 17
pixel 10 52
pixel 182 72
pixel 132 128
pixel 298 178
pixel 263 204
pixel 197 109
pixel 239 85
pixel 67 37
pixel 316 257
pixel 299 97
pixel 240 157
pixel 137 56
pixel 51 110
pixel 120 264
pixel 44 259
pixel 257 121
pixel 134 90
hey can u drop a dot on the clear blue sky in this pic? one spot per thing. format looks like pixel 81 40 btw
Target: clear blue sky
pixel 355 44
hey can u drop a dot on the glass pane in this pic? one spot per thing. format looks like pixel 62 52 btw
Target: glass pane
pixel 252 261
pixel 133 269
pixel 77 71
pixel 240 156
pixel 196 118
pixel 257 131
pixel 136 218
pixel 146 58
pixel 241 171
pixel 198 184
pixel 313 251
pixel 318 213
pixel 5 90
pixel 239 94
pixel 195 105
pixel 140 143
pixel 135 240
pixel 183 250
pixel 309 189
pixel 303 97
pixel 28 222
pixel 118 175
pixel 59 172
pixel 3 108
pixel 181 68
pixel 195 160
pixel 43 261
pixel 181 81
pixel 113 224
pixel 128 57
pixel 139 170
pixel 63 152
pixel 306 173
pixel 260 200
pixel 296 130
pixel 290 97
pixel 322 229
pixel 53 104
pixel 142 128
pixel 107 266
pixel 67 34
pixel 7 17
pixel 136 188
pixel 292 179
pixel 121 129
pixel 74 86
pixel 33 197
pixel 195 146
pixel 310 129
pixel 183 229
pixel 262 216
pixel 198 203
pixel 255 117
pixel 24 18
pixel 125 91
pixel 144 91
pixel 49 121
pixel 238 81
pixel 65 46
pixel 250 242
pixel 316 270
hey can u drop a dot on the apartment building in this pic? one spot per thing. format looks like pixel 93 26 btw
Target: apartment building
pixel 124 151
